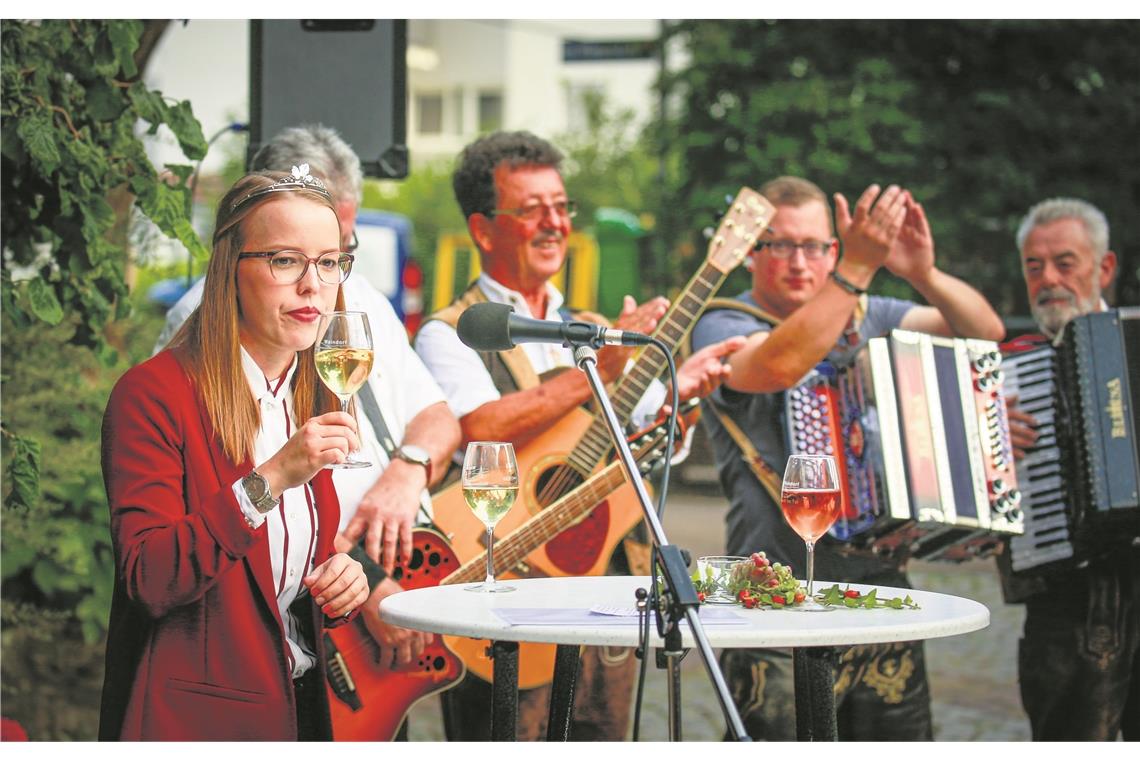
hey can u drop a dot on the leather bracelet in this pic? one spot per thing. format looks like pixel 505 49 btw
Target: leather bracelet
pixel 847 285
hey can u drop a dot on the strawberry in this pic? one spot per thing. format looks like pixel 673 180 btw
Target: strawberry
pixel 744 594
pixel 749 602
pixel 701 596
pixel 773 583
pixel 851 593
pixel 759 560
pixel 778 600
pixel 799 596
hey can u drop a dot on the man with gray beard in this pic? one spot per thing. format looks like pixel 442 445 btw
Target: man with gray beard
pixel 1079 657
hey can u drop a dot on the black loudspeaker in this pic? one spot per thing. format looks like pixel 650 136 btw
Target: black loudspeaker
pixel 347 74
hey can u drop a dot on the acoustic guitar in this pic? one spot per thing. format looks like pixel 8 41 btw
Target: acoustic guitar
pixel 562 457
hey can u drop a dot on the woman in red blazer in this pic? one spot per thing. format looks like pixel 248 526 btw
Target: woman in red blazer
pixel 222 515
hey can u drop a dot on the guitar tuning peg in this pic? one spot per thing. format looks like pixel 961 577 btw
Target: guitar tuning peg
pixel 708 233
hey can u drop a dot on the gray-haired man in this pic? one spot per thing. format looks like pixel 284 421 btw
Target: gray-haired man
pixel 1079 657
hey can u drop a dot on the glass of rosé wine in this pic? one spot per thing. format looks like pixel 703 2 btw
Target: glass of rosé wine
pixel 810 501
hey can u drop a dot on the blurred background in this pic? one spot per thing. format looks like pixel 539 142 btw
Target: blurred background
pixel 119 136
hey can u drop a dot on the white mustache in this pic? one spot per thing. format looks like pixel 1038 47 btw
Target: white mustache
pixel 1051 293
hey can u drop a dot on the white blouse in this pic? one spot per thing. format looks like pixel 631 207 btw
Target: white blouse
pixel 292 525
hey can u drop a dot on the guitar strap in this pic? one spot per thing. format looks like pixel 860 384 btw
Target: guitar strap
pixel 514 359
pixel 764 473
pixel 372 571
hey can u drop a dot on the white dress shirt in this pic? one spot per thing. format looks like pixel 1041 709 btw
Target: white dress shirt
pixel 464 377
pixel 292 526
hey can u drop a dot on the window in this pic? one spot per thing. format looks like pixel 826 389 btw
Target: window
pixel 490 111
pixel 429 113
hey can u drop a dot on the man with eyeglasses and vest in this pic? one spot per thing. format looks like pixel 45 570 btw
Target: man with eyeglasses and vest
pixel 380 505
pixel 806 305
pixel 511 192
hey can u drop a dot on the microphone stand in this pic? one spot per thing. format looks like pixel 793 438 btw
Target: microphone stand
pixel 679 598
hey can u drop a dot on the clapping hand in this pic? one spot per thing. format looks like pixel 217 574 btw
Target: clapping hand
pixel 870 234
pixel 912 255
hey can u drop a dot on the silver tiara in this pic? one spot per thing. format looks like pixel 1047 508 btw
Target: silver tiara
pixel 298 179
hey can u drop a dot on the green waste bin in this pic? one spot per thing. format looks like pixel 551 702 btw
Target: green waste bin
pixel 618 232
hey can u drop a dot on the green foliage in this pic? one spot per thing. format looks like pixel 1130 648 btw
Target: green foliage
pixel 56 550
pixel 72 169
pixel 980 119
pixel 607 163
pixel 69 111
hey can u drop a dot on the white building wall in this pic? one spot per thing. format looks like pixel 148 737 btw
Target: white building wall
pixel 207 62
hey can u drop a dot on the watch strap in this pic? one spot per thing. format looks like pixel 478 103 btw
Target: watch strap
pixel 847 285
pixel 264 501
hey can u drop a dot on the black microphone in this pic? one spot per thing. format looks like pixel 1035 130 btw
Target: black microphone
pixel 495 327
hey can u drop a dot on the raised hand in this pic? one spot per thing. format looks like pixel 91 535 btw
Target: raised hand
pixel 869 234
pixel 322 440
pixel 643 319
pixel 706 369
pixel 912 255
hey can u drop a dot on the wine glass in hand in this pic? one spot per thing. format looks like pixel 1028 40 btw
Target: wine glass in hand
pixel 810 500
pixel 490 485
pixel 344 361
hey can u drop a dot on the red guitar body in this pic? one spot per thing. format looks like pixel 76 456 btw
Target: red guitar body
pixel 367 700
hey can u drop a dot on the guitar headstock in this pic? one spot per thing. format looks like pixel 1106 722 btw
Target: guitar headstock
pixel 744 222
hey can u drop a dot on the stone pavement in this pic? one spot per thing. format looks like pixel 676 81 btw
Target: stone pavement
pixel 973 677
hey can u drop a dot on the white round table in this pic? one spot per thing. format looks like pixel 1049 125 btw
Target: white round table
pixel 452 610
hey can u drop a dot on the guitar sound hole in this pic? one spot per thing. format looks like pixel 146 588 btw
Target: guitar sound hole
pixel 437 663
pixel 555 481
pixel 417 560
pixel 434 559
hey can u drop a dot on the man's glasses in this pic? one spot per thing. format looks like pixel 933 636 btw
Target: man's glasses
pixel 351 247
pixel 783 249
pixel 288 267
pixel 533 212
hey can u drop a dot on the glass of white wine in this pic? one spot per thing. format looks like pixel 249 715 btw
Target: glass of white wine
pixel 344 361
pixel 490 485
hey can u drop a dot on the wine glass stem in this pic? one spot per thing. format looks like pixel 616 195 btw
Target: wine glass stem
pixel 810 566
pixel 490 580
pixel 344 408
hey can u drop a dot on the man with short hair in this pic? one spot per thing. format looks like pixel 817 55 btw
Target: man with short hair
pixel 511 192
pixel 384 502
pixel 1079 657
pixel 806 305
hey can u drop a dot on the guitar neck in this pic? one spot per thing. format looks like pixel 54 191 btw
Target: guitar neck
pixel 513 547
pixel 595 443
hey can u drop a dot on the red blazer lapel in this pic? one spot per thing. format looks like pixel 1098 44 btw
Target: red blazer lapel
pixel 257 561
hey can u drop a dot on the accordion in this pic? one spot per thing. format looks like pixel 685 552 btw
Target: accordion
pixel 919 430
pixel 1080 482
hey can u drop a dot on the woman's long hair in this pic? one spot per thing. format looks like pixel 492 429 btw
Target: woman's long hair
pixel 209 345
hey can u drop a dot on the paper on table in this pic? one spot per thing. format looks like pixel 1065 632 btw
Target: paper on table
pixel 584 617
